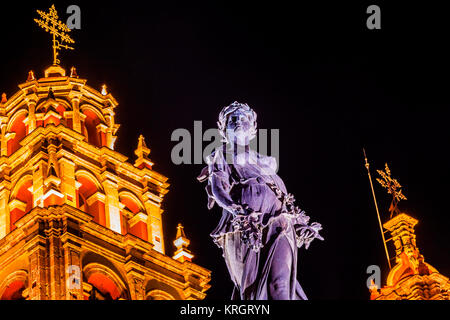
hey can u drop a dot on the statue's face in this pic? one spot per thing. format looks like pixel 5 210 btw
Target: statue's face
pixel 238 128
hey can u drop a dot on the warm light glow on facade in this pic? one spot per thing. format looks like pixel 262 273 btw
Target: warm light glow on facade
pixel 77 220
pixel 411 278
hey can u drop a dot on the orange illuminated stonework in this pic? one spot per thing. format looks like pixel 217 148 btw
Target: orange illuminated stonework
pixel 411 278
pixel 77 220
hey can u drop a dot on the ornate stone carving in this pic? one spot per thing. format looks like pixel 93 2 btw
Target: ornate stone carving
pixel 260 224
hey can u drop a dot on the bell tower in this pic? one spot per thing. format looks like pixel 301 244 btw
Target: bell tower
pixel 411 278
pixel 77 219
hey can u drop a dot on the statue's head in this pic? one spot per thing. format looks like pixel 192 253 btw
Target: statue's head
pixel 237 123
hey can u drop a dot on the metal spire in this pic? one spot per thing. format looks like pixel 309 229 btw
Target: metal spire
pixel 376 207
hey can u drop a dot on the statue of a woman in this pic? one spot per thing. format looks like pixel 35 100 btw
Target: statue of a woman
pixel 261 228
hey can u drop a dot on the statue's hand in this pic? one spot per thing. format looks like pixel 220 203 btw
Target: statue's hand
pixel 237 209
pixel 250 228
pixel 306 234
pixel 315 227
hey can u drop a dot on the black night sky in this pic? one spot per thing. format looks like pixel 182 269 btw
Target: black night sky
pixel 315 72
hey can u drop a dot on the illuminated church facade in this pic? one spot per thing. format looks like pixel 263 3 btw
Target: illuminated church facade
pixel 77 220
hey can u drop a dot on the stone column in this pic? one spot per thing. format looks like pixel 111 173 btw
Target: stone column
pixel 136 283
pixel 103 134
pixel 109 131
pixel 38 286
pixel 56 262
pixel 96 203
pixel 76 114
pixel 31 116
pixel 68 182
pixel 73 272
pixel 112 210
pixel 3 139
pixel 4 208
pixel 38 184
pixel 154 224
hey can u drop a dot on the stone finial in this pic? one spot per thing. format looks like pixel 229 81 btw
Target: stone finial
pixel 104 91
pixel 31 76
pixel 142 152
pixel 4 98
pixel 180 232
pixel 73 72
pixel 181 243
pixel 142 149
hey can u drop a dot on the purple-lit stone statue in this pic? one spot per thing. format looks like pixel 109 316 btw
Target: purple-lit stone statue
pixel 261 228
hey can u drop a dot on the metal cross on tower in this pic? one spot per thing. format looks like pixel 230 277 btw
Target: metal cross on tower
pixel 393 187
pixel 50 23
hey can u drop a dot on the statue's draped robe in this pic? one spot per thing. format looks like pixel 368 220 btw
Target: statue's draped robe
pixel 250 270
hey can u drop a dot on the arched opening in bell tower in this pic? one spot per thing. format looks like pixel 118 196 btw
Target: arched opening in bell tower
pixel 18 128
pixel 21 200
pixel 90 127
pixel 90 197
pixel 14 291
pixel 13 286
pixel 132 208
pixel 104 278
pixel 103 288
